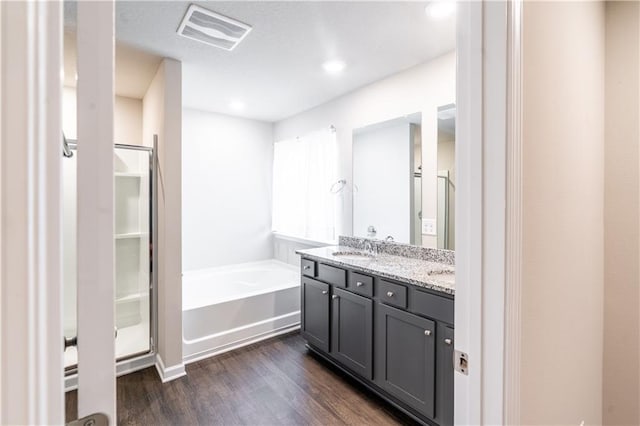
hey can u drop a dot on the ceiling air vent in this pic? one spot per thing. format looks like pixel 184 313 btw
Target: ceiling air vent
pixel 212 28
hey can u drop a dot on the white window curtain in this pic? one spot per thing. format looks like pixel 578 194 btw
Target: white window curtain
pixel 304 169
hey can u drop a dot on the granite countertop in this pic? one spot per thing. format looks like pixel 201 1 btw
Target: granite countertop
pixel 419 272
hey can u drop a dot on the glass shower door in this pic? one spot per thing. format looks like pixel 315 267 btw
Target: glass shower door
pixel 132 244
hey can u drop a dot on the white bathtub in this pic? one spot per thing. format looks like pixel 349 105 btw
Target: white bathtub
pixel 231 306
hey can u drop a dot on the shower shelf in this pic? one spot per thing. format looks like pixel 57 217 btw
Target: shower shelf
pixel 128 175
pixel 130 235
pixel 132 297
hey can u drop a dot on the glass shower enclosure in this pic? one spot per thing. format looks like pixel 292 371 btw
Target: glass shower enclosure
pixel 133 242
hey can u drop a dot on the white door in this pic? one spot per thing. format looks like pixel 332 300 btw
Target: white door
pixel 95 212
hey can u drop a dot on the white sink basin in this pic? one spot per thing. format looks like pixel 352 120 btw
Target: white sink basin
pixel 353 255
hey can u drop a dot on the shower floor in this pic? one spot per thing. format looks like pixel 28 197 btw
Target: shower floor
pixel 131 340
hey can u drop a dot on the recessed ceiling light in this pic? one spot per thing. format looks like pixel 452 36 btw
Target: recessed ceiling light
pixel 334 67
pixel 236 105
pixel 440 9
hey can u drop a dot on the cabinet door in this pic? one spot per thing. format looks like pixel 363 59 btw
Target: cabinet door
pixel 315 313
pixel 444 375
pixel 406 357
pixel 352 331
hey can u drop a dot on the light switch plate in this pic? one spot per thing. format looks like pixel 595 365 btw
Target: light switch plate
pixel 428 227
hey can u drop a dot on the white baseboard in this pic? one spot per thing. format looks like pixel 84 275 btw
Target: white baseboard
pixel 169 373
pixel 188 359
pixel 122 368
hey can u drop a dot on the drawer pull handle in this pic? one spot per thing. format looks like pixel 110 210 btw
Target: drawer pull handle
pixel 325 292
pixel 334 296
pixel 359 284
pixel 447 341
pixel 389 294
pixel 427 332
pixel 306 267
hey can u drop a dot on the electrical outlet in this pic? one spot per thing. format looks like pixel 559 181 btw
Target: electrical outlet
pixel 429 227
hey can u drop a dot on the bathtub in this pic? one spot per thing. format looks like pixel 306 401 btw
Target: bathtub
pixel 231 306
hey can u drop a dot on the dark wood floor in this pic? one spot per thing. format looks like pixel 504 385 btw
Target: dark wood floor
pixel 275 382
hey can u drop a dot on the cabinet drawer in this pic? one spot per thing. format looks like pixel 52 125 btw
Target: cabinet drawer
pixel 332 275
pixel 432 306
pixel 361 284
pixel 392 294
pixel 309 268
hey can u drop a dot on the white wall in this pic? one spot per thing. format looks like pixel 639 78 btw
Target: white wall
pixel 563 221
pixel 226 196
pixel 621 386
pixel 419 89
pixel 162 116
pixel 382 173
pixel 127 122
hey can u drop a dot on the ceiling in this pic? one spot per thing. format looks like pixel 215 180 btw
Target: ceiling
pixel 277 70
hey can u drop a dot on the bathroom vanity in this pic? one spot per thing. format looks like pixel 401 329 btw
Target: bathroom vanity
pixel 386 319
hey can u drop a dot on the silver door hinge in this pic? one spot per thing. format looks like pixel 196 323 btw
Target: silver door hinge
pixel 70 342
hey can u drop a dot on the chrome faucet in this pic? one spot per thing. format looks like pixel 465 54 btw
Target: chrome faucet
pixel 371 248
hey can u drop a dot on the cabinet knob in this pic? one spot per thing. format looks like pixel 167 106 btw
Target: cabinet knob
pixel 447 341
pixel 359 284
pixel 325 292
pixel 334 296
pixel 306 267
pixel 389 294
pixel 427 332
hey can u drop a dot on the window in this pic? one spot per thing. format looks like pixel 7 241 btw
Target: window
pixel 304 169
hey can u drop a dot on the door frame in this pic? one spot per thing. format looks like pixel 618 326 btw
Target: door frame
pixel 95 210
pixel 488 211
pixel 32 314
pixel 31 347
pixel 31 309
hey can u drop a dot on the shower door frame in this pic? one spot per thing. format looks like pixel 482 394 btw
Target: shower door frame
pixel 136 361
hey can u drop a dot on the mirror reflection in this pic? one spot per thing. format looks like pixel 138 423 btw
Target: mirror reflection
pixel 387 164
pixel 446 176
pixel 391 187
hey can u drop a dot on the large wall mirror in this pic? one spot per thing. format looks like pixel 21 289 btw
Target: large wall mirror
pixel 386 177
pixel 392 189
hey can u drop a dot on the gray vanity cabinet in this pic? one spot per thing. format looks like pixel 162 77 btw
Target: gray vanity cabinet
pixel 315 313
pixel 394 338
pixel 406 357
pixel 352 331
